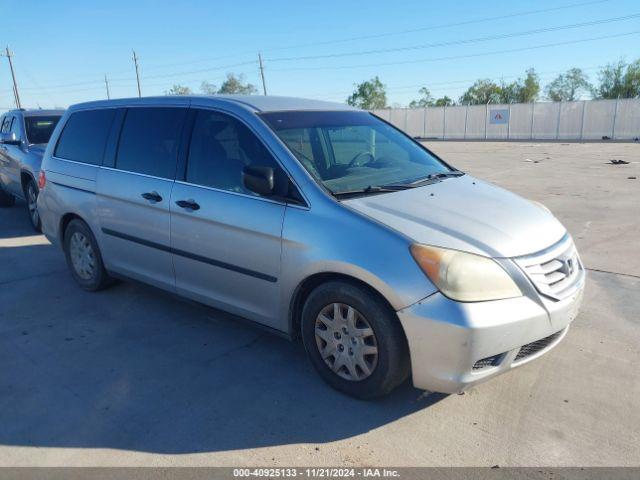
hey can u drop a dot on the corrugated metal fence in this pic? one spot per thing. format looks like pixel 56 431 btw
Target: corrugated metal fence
pixel 582 120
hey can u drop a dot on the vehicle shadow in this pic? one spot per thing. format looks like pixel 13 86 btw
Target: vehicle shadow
pixel 137 369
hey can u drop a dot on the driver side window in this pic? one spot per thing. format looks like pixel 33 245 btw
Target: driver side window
pixel 220 148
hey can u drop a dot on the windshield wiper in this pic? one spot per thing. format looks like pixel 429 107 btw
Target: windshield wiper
pixel 435 177
pixel 370 190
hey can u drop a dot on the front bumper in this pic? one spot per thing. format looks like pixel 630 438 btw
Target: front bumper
pixel 447 338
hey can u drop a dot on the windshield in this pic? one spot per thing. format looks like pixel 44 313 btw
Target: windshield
pixel 40 128
pixel 350 151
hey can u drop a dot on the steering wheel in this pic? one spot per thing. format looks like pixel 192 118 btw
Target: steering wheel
pixel 357 162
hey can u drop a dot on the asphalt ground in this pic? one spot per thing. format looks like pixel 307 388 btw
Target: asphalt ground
pixel 134 376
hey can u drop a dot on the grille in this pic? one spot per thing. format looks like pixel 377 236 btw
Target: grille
pixel 493 361
pixel 556 271
pixel 534 347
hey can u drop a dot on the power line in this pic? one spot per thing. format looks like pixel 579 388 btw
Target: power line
pixel 351 39
pixel 457 81
pixel 441 26
pixel 456 57
pixel 459 42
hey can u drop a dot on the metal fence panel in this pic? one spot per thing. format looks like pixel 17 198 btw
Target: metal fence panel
pixel 454 118
pixel 545 121
pixel 497 121
pixel 398 117
pixel 384 113
pixel 520 121
pixel 570 127
pixel 598 120
pixel 415 122
pixel 588 120
pixel 476 121
pixel 627 123
pixel 434 122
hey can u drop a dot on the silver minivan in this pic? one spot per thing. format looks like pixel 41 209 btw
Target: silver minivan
pixel 317 221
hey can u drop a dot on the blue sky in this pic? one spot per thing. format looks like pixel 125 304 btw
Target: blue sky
pixel 64 48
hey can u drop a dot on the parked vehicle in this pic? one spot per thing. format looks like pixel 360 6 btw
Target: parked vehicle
pixel 23 137
pixel 315 220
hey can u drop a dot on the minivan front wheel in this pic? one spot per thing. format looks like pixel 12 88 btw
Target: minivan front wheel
pixel 84 258
pixel 354 340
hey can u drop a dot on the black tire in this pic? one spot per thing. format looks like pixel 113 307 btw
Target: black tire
pixel 392 363
pixel 99 278
pixel 6 199
pixel 31 192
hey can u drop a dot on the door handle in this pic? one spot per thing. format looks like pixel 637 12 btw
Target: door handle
pixel 188 204
pixel 152 196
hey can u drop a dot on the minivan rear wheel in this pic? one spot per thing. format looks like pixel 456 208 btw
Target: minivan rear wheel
pixel 354 340
pixel 84 258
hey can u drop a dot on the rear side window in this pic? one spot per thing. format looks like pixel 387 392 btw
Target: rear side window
pixel 39 129
pixel 149 141
pixel 84 136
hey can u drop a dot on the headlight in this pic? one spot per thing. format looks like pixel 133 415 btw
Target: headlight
pixel 464 276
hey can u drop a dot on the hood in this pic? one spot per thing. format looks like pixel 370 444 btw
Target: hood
pixel 38 149
pixel 467 214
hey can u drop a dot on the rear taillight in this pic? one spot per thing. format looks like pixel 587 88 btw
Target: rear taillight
pixel 42 180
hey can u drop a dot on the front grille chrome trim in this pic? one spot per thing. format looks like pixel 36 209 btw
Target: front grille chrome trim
pixel 556 272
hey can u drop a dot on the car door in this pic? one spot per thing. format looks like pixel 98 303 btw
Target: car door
pixel 134 191
pixel 10 157
pixel 226 240
pixel 5 123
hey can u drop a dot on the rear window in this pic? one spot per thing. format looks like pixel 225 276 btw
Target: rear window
pixel 40 128
pixel 84 136
pixel 149 141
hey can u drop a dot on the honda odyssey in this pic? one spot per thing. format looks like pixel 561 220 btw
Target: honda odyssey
pixel 315 220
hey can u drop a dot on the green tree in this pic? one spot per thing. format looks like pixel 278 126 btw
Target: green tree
pixel 208 88
pixel 619 80
pixel 481 92
pixel 178 90
pixel 426 100
pixel 523 90
pixel 369 95
pixel 234 84
pixel 568 86
pixel 444 102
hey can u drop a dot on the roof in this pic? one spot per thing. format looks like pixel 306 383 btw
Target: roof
pixel 265 103
pixel 35 112
pixel 256 103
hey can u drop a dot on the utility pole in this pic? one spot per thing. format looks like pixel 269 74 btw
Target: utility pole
pixel 106 84
pixel 264 85
pixel 135 62
pixel 16 95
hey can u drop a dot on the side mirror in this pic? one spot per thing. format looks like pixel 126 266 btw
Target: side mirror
pixel 9 139
pixel 258 180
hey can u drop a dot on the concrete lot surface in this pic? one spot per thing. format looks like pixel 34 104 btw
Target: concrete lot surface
pixel 133 376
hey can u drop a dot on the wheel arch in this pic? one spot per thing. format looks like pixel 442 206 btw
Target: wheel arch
pixel 25 177
pixel 306 286
pixel 64 222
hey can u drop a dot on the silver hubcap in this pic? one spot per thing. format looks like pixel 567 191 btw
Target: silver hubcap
pixel 82 256
pixel 346 341
pixel 32 204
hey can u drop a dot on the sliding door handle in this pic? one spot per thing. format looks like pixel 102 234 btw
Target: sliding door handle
pixel 188 204
pixel 151 196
